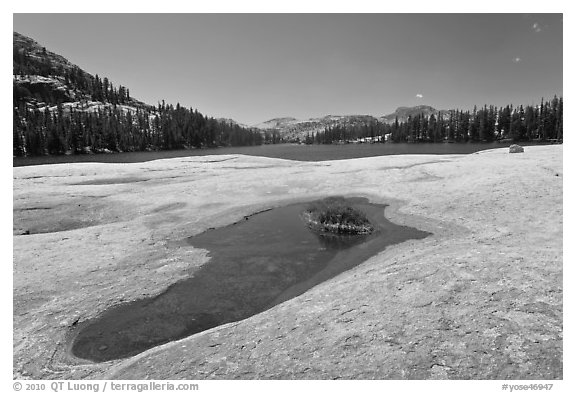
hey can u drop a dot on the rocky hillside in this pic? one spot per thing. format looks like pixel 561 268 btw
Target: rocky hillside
pixel 61 109
pixel 43 79
pixel 32 58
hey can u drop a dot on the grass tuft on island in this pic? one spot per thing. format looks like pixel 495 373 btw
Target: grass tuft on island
pixel 334 215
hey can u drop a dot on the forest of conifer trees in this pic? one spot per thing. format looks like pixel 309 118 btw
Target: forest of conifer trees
pixel 121 129
pixel 61 109
pixel 530 123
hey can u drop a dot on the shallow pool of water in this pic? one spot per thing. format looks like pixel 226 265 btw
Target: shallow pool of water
pixel 254 264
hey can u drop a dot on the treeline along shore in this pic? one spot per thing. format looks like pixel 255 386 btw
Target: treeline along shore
pixel 115 128
pixel 65 129
pixel 488 124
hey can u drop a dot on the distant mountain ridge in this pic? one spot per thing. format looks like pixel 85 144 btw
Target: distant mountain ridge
pixel 280 122
pixel 291 128
pixel 404 112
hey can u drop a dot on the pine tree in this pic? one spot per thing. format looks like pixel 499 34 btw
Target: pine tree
pixel 475 126
pixel 559 125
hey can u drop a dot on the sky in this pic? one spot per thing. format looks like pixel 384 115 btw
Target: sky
pixel 255 67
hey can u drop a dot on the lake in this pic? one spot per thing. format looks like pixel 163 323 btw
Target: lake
pixel 284 151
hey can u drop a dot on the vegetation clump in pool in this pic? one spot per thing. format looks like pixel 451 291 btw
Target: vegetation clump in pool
pixel 334 215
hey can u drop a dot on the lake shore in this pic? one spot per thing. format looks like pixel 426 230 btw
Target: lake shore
pixel 286 151
pixel 480 299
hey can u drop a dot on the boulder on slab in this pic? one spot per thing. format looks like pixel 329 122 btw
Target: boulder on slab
pixel 516 149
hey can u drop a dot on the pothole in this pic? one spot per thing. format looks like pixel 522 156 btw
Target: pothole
pixel 256 263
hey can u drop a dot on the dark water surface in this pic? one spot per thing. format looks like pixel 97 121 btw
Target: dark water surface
pixel 285 151
pixel 255 264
